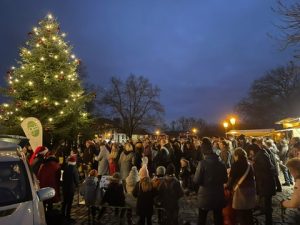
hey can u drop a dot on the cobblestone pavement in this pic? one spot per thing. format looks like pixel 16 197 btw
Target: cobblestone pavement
pixel 189 213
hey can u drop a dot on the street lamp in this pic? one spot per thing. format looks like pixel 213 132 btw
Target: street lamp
pixel 225 125
pixel 194 130
pixel 232 121
pixel 157 132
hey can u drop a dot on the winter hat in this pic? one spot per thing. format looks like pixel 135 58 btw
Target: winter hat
pixel 170 169
pixel 72 160
pixel 40 150
pixel 143 172
pixel 161 171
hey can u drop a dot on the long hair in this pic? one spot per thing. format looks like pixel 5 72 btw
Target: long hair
pixel 146 184
pixel 241 154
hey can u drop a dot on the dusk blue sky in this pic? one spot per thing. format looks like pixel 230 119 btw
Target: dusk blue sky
pixel 203 54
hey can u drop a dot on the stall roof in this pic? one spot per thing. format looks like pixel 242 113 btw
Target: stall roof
pixel 254 132
pixel 288 120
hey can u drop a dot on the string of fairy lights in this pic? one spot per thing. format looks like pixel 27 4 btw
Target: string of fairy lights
pixel 46 36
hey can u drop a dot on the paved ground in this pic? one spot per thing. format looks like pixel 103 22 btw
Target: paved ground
pixel 188 212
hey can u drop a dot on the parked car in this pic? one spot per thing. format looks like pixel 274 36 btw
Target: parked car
pixel 21 199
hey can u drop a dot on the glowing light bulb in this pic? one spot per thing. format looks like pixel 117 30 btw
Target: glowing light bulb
pixel 61 112
pixel 21 118
pixel 50 119
pixel 43 39
pixel 61 72
pixel 45 98
pixel 56 103
pixel 30 83
pixel 66 101
pixel 23 67
pixel 36 101
pixel 37 45
pixel 55 57
pixel 73 56
pixel 42 59
pixel 29 52
pixel 54 38
pixel 56 76
pixel 66 51
pixel 16 80
pixel 50 16
pixel 63 34
pixel 35 29
pixel 5 105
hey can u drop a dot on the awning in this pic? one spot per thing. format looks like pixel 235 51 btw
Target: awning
pixel 252 133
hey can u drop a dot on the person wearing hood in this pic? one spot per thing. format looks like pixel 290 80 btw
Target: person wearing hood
pixel 49 176
pixel 126 161
pixel 144 193
pixel 130 200
pixel 210 176
pixel 102 158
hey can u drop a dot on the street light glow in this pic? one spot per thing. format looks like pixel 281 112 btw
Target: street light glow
pixel 225 124
pixel 232 120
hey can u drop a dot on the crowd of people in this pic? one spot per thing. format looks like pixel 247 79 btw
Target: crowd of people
pixel 233 177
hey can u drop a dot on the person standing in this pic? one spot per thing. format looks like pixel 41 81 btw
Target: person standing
pixel 294 167
pixel 144 193
pixel 210 176
pixel 241 177
pixel 265 182
pixel 102 158
pixel 126 161
pixel 170 192
pixel 69 184
pixel 37 158
pixel 49 176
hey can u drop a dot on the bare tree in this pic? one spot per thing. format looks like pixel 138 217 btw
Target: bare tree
pixel 272 97
pixel 290 24
pixel 135 101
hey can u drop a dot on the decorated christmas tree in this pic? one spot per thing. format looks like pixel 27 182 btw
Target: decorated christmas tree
pixel 45 84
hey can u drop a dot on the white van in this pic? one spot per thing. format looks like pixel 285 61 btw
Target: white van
pixel 21 200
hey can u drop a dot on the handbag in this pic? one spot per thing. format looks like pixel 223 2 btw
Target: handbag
pixel 243 197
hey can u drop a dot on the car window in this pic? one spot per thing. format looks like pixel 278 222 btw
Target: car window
pixel 14 183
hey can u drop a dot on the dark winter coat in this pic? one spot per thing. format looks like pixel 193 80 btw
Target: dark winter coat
pixel 161 158
pixel 37 162
pixel 49 176
pixel 137 159
pixel 70 179
pixel 114 195
pixel 170 191
pixel 237 170
pixel 145 200
pixel 264 174
pixel 211 175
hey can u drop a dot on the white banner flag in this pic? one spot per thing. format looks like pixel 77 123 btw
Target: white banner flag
pixel 33 130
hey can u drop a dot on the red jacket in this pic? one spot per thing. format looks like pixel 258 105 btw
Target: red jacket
pixel 49 176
